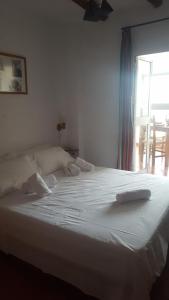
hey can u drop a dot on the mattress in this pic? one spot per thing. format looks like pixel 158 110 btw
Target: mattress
pixel 81 235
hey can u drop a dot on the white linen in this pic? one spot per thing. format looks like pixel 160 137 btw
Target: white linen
pixel 133 195
pixel 77 234
pixel 50 180
pixel 52 159
pixel 72 170
pixel 36 184
pixel 84 165
pixel 14 172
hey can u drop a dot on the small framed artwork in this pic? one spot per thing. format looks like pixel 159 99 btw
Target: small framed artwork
pixel 13 74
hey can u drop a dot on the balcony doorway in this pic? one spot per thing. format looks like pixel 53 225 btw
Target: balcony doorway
pixel 152 114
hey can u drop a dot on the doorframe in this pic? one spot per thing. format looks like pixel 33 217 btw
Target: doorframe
pixel 134 105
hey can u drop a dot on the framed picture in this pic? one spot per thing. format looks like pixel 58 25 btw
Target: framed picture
pixel 13 74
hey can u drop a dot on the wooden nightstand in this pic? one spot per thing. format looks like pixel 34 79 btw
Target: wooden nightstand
pixel 72 151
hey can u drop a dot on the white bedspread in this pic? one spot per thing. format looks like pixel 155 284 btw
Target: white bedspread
pixel 109 250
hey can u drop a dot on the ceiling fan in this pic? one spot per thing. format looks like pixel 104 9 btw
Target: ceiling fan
pixel 99 10
pixel 156 3
pixel 95 10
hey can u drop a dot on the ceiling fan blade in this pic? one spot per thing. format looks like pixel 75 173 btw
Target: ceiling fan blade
pixel 82 3
pixel 97 10
pixel 156 3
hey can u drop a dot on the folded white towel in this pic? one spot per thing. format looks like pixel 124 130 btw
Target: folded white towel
pixel 141 194
pixel 36 184
pixel 50 180
pixel 84 165
pixel 72 170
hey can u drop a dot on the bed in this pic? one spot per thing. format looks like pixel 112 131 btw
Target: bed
pixel 81 235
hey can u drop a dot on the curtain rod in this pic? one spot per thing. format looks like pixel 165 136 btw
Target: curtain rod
pixel 145 23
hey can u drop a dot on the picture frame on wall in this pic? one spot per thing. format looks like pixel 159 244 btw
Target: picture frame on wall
pixel 13 74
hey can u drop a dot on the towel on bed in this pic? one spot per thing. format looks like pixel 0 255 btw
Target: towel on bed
pixel 72 170
pixel 50 180
pixel 142 194
pixel 36 184
pixel 84 165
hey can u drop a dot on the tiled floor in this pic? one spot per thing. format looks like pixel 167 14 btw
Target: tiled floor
pixel 22 282
pixel 160 290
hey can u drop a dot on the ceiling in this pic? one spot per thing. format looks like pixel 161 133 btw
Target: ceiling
pixel 67 10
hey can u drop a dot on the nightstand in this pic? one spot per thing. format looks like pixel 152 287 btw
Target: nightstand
pixel 72 151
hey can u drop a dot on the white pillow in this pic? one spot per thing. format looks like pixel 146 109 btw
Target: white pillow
pixel 26 152
pixel 13 173
pixel 52 159
pixel 36 184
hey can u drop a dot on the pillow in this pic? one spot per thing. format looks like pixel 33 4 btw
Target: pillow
pixel 36 184
pixel 28 152
pixel 13 173
pixel 32 151
pixel 52 159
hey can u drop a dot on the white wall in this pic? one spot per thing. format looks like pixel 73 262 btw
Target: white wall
pixel 98 94
pixel 66 59
pixel 152 40
pixel 73 75
pixel 90 89
pixel 50 50
pixel 98 74
pixel 30 119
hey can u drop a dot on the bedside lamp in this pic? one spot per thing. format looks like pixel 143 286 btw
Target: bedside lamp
pixel 74 152
pixel 60 127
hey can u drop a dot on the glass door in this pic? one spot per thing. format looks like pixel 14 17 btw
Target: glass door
pixel 142 115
